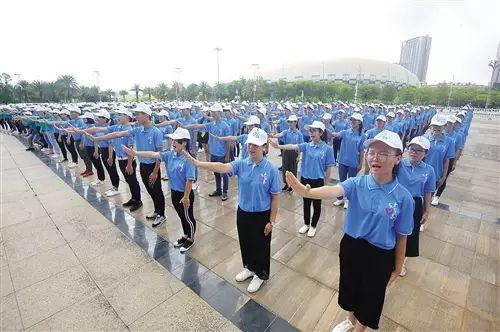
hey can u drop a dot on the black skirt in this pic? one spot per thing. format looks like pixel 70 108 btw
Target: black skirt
pixel 365 271
pixel 412 240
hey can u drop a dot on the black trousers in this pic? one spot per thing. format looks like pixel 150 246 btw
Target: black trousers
pixel 187 217
pixel 316 203
pixel 289 162
pixel 255 247
pixel 83 154
pixel 131 179
pixel 412 240
pixel 112 172
pixel 89 150
pixel 61 144
pixel 71 148
pixel 443 186
pixel 336 148
pixel 365 271
pixel 155 190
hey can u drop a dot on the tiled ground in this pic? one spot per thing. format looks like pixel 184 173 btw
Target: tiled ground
pixel 55 236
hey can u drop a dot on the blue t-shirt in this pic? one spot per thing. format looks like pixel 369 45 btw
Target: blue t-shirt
pixel 256 183
pixel 439 151
pixel 102 144
pixel 179 170
pixel 292 137
pixel 85 139
pixel 352 145
pixel 418 179
pixel 77 123
pixel 242 139
pixel 117 142
pixel 372 132
pixel 216 146
pixel 340 125
pixel 376 213
pixel 148 139
pixel 316 158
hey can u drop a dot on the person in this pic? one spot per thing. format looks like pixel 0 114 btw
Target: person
pixel 351 152
pixel 293 136
pixel 339 124
pixel 252 122
pixel 259 187
pixel 378 220
pixel 147 138
pixel 420 180
pixel 181 175
pixel 371 133
pixel 317 160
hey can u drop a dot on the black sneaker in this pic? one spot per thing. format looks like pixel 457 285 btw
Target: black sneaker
pixel 186 245
pixel 158 221
pixel 136 206
pixel 224 197
pixel 129 203
pixel 289 190
pixel 30 148
pixel 285 188
pixel 180 242
pixel 280 168
pixel 152 216
pixel 215 194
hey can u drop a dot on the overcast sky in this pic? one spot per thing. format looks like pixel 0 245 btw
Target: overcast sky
pixel 143 41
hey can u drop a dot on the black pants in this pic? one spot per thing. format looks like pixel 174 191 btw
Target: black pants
pixel 316 203
pixel 289 163
pixel 336 148
pixel 412 240
pixel 131 179
pixel 255 247
pixel 112 172
pixel 71 148
pixel 450 166
pixel 365 271
pixel 83 154
pixel 187 217
pixel 155 190
pixel 89 150
pixel 61 144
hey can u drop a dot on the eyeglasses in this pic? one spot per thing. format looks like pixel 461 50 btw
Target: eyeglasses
pixel 381 156
pixel 415 150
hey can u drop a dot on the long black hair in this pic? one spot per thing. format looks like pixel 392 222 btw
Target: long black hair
pixel 188 146
pixel 395 169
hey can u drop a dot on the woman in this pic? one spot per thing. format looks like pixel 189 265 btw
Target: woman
pixel 252 122
pixel 181 174
pixel 317 160
pixel 351 152
pixel 258 201
pixel 419 179
pixel 377 222
pixel 339 124
pixel 369 134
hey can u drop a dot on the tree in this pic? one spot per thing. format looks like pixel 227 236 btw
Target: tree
pixel 68 83
pixel 388 93
pixel 136 89
pixel 148 91
pixel 123 94
pixel 161 91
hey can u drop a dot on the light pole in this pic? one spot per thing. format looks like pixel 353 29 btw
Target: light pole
pixel 218 49
pixel 97 74
pixel 178 71
pixel 451 89
pixel 494 64
pixel 255 67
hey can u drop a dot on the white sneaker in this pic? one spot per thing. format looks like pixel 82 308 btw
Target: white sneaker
pixel 54 156
pixel 435 200
pixel 304 229
pixel 244 275
pixel 311 232
pixel 255 284
pixel 96 183
pixel 72 164
pixel 338 202
pixel 422 227
pixel 111 192
pixel 346 204
pixel 158 221
pixel 345 326
pixel 403 271
pixel 195 186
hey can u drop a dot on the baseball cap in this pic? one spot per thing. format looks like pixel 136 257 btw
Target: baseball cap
pixel 327 116
pixel 142 108
pixel 262 110
pixel 388 137
pixel 216 108
pixel 252 120
pixel 317 125
pixel 103 114
pixel 123 110
pixel 382 117
pixel 438 120
pixel 391 114
pixel 357 116
pixel 292 117
pixel 257 136
pixel 421 141
pixel 180 133
pixel 87 115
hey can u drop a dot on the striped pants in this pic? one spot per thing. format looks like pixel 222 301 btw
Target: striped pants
pixel 187 217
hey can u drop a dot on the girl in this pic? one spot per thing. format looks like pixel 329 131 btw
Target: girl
pixel 339 125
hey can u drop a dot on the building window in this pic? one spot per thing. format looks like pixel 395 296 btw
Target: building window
pixel 316 77
pixel 299 77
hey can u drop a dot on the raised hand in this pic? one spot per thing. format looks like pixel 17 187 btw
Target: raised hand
pixel 295 184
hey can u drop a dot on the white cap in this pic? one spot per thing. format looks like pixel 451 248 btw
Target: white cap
pixel 327 116
pixel 28 113
pixel 457 119
pixel 123 110
pixel 317 125
pixel 216 108
pixel 180 133
pixel 257 136
pixel 292 117
pixel 388 137
pixel 143 108
pixel 87 115
pixel 262 110
pixel 252 120
pixel 163 113
pixel 451 118
pixel 391 114
pixel 382 117
pixel 421 141
pixel 438 120
pixel 341 111
pixel 357 116
pixel 64 112
pixel 75 110
pixel 103 114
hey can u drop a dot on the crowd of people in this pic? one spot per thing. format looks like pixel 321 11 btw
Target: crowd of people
pixel 393 162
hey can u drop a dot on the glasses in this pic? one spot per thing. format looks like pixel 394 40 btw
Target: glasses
pixel 381 156
pixel 415 150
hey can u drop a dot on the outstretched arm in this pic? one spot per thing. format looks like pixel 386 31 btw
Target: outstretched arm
pixel 146 154
pixel 289 147
pixel 325 192
pixel 210 166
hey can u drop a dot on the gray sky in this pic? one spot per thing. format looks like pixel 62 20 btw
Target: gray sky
pixel 143 41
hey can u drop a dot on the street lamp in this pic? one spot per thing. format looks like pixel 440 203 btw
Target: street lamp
pixel 255 67
pixel 218 49
pixel 97 74
pixel 178 71
pixel 494 64
pixel 451 89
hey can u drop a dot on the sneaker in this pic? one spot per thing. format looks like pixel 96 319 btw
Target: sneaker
pixel 186 245
pixel 255 284
pixel 422 227
pixel 96 183
pixel 304 229
pixel 224 197
pixel 135 206
pixel 338 202
pixel 158 221
pixel 311 232
pixel 345 326
pixel 195 186
pixel 30 148
pixel 285 188
pixel 346 204
pixel 403 271
pixel 244 275
pixel 54 156
pixel 164 178
pixel 152 216
pixel 112 192
pixel 84 172
pixel 215 194
pixel 129 203
pixel 289 190
pixel 435 200
pixel 72 165
pixel 180 242
pixel 90 173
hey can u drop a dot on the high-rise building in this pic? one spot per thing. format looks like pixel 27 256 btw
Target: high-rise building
pixel 495 75
pixel 415 55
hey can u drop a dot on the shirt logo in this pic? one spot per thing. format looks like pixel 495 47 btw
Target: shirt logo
pixel 150 139
pixel 424 177
pixel 263 178
pixel 391 211
pixel 180 167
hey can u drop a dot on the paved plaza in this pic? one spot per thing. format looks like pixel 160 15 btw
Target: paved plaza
pixel 72 259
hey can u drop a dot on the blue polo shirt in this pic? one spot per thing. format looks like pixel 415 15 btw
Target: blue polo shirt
pixel 303 122
pixel 165 130
pixel 340 125
pixel 418 179
pixel 316 158
pixel 376 213
pixel 85 139
pixel 352 145
pixel 256 183
pixel 77 123
pixel 148 139
pixel 216 146
pixel 372 132
pixel 439 151
pixel 292 137
pixel 242 139
pixel 391 127
pixel 117 142
pixel 179 170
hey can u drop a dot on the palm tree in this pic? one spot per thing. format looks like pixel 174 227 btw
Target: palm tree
pixel 69 85
pixel 148 91
pixel 161 91
pixel 22 88
pixel 38 89
pixel 205 90
pixel 136 89
pixel 123 94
